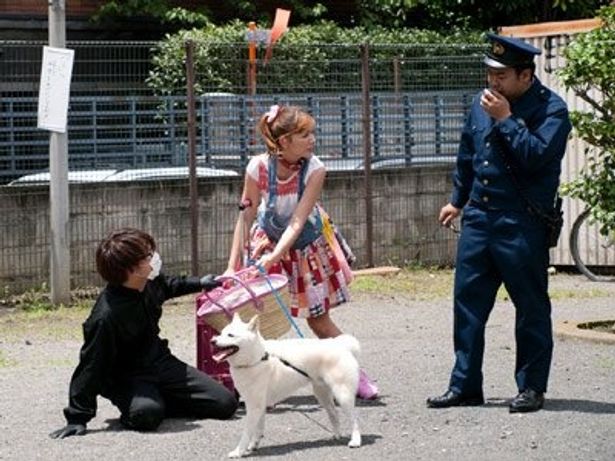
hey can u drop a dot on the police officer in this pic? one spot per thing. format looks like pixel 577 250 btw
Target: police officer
pixel 517 124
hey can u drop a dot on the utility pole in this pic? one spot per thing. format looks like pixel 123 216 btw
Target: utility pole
pixel 367 154
pixel 194 192
pixel 58 183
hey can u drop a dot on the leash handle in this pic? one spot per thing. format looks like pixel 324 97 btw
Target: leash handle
pixel 285 309
pixel 245 237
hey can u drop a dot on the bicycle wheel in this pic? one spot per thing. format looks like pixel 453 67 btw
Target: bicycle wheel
pixel 588 246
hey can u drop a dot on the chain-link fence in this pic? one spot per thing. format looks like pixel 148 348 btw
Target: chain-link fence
pixel 400 107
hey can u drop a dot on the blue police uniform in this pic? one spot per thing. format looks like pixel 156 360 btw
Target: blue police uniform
pixel 501 242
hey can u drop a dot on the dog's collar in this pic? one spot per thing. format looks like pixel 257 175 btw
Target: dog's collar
pixel 264 358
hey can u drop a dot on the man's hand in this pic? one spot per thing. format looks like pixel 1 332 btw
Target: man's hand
pixel 447 214
pixel 70 429
pixel 495 104
pixel 209 282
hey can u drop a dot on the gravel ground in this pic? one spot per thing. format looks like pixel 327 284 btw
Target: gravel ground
pixel 406 345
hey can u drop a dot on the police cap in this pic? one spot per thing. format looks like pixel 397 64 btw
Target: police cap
pixel 509 52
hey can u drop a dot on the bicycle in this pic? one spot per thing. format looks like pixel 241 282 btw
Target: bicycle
pixel 589 247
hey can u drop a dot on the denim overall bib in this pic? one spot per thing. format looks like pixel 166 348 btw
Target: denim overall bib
pixel 275 225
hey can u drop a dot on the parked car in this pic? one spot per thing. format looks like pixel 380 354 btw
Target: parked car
pixel 128 175
pixel 176 172
pixel 74 177
pixel 382 163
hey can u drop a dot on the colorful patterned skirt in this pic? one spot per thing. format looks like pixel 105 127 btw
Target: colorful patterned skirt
pixel 318 275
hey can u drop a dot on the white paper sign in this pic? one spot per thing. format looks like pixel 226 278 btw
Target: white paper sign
pixel 55 88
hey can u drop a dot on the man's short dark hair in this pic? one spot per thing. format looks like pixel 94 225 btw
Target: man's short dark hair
pixel 121 251
pixel 520 68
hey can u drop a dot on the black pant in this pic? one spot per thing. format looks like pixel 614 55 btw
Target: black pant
pixel 171 389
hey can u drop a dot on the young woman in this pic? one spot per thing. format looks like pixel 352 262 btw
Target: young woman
pixel 289 231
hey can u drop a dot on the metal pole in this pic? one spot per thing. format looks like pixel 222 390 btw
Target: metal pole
pixel 252 59
pixel 58 183
pixel 194 204
pixel 396 76
pixel 251 87
pixel 367 152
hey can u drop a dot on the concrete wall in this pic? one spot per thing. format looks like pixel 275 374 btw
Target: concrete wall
pixel 405 204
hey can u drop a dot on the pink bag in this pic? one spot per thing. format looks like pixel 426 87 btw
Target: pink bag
pixel 248 295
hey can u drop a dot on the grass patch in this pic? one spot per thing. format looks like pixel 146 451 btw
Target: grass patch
pixel 566 293
pixel 57 324
pixel 558 294
pixel 31 314
pixel 606 363
pixel 38 300
pixel 20 321
pixel 5 362
pixel 424 284
pixel 415 283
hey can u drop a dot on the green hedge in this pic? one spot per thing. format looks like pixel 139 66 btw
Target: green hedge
pixel 318 58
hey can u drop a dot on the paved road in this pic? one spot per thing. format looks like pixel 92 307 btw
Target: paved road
pixel 406 345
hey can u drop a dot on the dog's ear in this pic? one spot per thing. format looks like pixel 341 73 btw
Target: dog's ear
pixel 235 318
pixel 254 323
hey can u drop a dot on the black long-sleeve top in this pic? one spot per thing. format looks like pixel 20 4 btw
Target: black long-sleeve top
pixel 121 339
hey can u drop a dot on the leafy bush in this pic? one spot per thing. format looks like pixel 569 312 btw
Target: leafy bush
pixel 307 58
pixel 589 72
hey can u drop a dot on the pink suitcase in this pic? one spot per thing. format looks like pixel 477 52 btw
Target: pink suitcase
pixel 247 295
pixel 205 362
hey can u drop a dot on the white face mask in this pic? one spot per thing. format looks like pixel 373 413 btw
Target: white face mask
pixel 156 264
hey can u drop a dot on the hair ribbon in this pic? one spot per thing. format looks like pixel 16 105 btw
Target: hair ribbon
pixel 272 114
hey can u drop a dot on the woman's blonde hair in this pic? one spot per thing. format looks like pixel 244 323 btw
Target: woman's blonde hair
pixel 282 121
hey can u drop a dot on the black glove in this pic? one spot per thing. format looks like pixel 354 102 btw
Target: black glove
pixel 209 282
pixel 70 429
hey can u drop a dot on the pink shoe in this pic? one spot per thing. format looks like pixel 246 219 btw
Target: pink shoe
pixel 367 389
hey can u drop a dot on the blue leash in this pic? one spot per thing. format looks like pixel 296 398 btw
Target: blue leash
pixel 285 309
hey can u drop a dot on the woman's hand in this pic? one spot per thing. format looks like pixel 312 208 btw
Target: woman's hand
pixel 266 262
pixel 260 247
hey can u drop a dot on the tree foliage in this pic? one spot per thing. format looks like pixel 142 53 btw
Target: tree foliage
pixel 590 60
pixel 478 14
pixel 166 12
pixel 438 15
pixel 160 11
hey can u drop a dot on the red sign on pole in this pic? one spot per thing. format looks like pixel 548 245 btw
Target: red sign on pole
pixel 280 25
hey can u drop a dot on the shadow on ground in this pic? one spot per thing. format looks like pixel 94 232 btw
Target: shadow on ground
pixel 286 448
pixel 578 405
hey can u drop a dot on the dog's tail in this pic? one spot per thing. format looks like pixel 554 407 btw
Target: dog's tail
pixel 351 343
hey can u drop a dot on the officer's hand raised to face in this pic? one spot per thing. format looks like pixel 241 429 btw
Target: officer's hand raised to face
pixel 495 104
pixel 70 429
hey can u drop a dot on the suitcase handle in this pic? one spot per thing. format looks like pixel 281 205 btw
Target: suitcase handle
pixel 258 304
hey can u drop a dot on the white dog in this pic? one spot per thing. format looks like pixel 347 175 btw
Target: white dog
pixel 267 371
